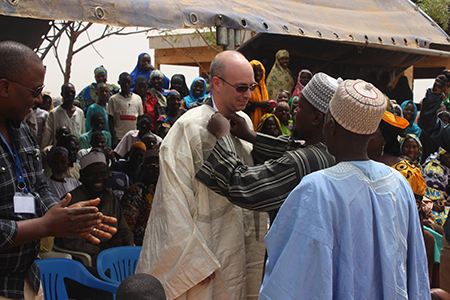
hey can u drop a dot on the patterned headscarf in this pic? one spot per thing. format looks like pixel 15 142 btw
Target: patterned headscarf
pixel 263 120
pixel 436 176
pixel 157 74
pixel 435 173
pixel 291 102
pixel 100 70
pixel 299 87
pixel 279 78
pixel 418 157
pixel 172 93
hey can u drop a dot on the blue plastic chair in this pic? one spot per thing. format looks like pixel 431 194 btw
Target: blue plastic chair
pixel 54 270
pixel 121 262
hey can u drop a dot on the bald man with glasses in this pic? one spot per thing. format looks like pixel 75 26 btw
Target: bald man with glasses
pixel 198 244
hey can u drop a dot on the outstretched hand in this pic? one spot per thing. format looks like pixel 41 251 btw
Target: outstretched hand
pixel 441 84
pixel 80 218
pixel 101 230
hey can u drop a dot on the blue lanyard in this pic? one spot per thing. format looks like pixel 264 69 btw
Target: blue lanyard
pixel 18 166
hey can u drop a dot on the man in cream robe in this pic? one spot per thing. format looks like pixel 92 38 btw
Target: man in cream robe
pixel 199 245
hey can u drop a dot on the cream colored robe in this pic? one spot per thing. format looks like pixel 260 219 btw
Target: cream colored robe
pixel 192 231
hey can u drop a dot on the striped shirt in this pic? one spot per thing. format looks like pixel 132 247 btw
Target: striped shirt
pixel 18 262
pixel 262 187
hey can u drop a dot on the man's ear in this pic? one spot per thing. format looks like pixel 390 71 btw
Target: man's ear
pixel 215 83
pixel 4 87
pixel 333 126
pixel 318 118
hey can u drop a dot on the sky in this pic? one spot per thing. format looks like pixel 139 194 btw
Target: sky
pixel 119 54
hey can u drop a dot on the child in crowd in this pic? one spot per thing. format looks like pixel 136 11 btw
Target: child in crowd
pixel 302 80
pixel 283 96
pixel 149 103
pixel 269 124
pixel 103 94
pixel 284 116
pixel 97 124
pixel 123 109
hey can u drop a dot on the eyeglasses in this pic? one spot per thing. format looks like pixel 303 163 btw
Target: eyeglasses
pixel 241 88
pixel 35 92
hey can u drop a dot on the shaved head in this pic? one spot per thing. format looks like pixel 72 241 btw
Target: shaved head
pixel 14 60
pixel 221 61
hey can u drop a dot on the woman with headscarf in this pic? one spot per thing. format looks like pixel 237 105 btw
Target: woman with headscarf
pixel 144 68
pixel 88 96
pixel 410 113
pixel 293 104
pixel 269 124
pixel 197 93
pixel 172 110
pixel 303 78
pixel 258 103
pixel 280 77
pixel 178 82
pixel 156 81
pixel 411 147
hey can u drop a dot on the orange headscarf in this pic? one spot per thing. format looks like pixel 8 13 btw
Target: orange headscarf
pixel 259 94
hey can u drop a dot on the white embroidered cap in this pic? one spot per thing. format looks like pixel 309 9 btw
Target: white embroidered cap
pixel 319 91
pixel 92 158
pixel 358 106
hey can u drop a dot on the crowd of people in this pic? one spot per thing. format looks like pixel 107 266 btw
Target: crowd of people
pixel 351 177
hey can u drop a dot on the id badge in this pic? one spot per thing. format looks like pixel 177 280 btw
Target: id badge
pixel 24 204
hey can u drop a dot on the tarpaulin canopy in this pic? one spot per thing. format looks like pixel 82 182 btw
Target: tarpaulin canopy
pixel 331 32
pixel 382 22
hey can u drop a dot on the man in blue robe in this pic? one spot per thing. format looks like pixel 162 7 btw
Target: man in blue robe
pixel 350 231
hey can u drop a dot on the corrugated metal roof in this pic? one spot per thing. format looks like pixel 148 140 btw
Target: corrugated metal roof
pixel 393 23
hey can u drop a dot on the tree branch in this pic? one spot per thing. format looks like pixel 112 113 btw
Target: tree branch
pixel 207 43
pixel 118 32
pixel 85 28
pixel 55 49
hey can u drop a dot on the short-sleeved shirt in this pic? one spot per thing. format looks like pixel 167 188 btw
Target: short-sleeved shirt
pixel 58 117
pixel 125 112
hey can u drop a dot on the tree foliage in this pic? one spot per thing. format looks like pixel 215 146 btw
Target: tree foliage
pixel 438 10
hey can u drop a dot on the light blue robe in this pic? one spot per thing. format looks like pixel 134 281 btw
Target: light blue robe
pixel 351 231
